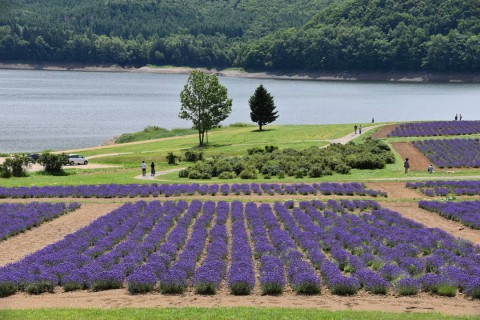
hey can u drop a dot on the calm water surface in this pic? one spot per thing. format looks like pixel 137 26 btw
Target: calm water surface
pixel 42 110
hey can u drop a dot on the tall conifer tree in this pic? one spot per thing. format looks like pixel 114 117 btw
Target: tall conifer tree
pixel 262 107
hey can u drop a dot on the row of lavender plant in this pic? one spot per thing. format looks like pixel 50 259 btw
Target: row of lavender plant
pixel 444 188
pixel 436 128
pixel 466 212
pixel 16 218
pixel 210 274
pixel 403 252
pixel 451 153
pixel 352 244
pixel 155 190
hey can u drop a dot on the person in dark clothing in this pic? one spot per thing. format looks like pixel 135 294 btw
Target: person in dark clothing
pixel 152 169
pixel 355 128
pixel 456 117
pixel 406 165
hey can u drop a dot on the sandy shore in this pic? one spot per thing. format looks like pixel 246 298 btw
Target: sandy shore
pixel 420 76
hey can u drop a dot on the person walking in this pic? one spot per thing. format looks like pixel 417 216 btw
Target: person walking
pixel 144 168
pixel 406 165
pixel 360 129
pixel 456 117
pixel 460 117
pixel 152 169
pixel 355 128
pixel 430 168
pixel 373 120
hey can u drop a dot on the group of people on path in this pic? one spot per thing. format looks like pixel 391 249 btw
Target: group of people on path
pixel 359 128
pixel 144 169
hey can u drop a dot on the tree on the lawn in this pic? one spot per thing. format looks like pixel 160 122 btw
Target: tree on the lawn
pixel 205 102
pixel 262 107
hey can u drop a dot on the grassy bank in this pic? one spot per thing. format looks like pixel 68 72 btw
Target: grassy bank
pixel 217 313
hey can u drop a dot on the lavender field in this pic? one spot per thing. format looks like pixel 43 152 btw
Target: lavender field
pixel 177 246
pixel 451 153
pixel 436 128
pixel 465 212
pixel 16 217
pixel 175 190
pixel 445 188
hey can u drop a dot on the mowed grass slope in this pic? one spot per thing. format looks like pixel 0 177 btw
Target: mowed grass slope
pixel 230 141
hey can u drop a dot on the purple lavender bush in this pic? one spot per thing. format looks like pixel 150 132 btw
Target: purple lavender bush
pixel 451 153
pixel 465 212
pixel 17 217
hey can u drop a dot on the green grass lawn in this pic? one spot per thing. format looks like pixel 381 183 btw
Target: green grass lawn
pixel 233 141
pixel 216 313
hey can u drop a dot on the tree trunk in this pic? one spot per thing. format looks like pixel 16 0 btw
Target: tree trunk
pixel 260 127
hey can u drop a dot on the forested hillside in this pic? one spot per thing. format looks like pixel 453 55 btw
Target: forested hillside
pixel 377 35
pixel 178 32
pixel 255 34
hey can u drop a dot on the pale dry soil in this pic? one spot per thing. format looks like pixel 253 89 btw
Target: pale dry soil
pixel 19 246
pixel 30 241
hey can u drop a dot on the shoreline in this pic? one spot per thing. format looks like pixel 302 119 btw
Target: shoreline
pixel 393 76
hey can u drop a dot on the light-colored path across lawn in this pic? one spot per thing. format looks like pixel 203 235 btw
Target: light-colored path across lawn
pixel 17 247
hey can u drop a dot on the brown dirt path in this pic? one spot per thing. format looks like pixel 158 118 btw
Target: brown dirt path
pixel 418 162
pixel 384 131
pixel 422 302
pixel 411 211
pixel 395 190
pixel 17 247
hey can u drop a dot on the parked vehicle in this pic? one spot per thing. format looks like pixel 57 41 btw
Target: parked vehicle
pixel 74 159
pixel 34 156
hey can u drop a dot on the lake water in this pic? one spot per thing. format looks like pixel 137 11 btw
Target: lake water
pixel 43 110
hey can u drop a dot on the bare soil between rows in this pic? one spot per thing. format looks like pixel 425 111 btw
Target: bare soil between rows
pixel 384 131
pixel 26 243
pixel 418 161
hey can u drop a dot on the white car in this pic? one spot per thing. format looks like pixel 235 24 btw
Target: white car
pixel 74 159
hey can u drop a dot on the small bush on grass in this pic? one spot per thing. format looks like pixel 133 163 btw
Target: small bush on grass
pixel 193 156
pixel 227 175
pixel 248 173
pixel 53 163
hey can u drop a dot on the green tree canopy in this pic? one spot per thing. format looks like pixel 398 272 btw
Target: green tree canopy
pixel 205 102
pixel 262 107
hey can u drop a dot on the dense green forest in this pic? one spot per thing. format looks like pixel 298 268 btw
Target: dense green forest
pixel 262 35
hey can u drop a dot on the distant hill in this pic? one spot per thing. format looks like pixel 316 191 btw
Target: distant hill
pixel 305 35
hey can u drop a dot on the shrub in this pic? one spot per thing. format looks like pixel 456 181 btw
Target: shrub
pixel 15 166
pixel 342 168
pixel 141 281
pixel 248 173
pixel 270 149
pixel 344 285
pixel 227 175
pixel 7 288
pixel 254 150
pixel 171 158
pixel 193 156
pixel 184 173
pixel 407 286
pixel 173 281
pixel 240 288
pixel 39 287
pixel 206 288
pixel 53 163
pixel 194 174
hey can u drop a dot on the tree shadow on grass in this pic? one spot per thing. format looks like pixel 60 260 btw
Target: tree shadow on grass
pixel 264 130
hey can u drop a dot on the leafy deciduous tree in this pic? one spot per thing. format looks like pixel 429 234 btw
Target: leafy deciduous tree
pixel 205 102
pixel 262 107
